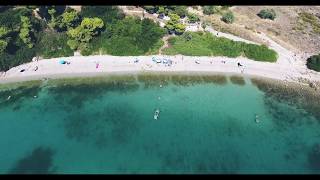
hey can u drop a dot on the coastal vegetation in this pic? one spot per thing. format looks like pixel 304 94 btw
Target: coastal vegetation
pixel 313 62
pixel 228 17
pixel 58 31
pixel 267 14
pixel 205 44
pixel 181 11
pixel 19 32
pixel 130 36
pixel 193 18
pixel 174 26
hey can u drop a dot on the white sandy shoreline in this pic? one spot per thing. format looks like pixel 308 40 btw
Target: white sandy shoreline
pixel 84 66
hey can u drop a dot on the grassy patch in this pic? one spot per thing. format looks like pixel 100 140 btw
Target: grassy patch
pixel 205 44
pixel 308 18
pixel 154 50
pixel 53 44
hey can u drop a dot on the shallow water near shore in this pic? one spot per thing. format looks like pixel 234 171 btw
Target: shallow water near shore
pixel 206 125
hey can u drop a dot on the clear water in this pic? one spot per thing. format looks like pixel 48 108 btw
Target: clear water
pixel 202 128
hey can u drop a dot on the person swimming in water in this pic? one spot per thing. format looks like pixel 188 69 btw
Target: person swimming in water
pixel 257 118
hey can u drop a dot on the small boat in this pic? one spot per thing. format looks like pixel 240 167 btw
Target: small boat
pixel 156 114
pixel 9 97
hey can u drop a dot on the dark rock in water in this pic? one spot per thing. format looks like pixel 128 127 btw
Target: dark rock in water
pixel 38 162
pixel 314 157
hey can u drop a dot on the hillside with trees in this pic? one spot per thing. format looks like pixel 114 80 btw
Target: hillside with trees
pixel 59 31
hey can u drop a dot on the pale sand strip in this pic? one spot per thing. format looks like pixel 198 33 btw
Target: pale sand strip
pixel 82 66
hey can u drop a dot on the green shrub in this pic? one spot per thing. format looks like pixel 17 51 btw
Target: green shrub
pixel 208 10
pixel 228 17
pixel 192 18
pixel 313 62
pixel 260 53
pixel 180 10
pixel 267 14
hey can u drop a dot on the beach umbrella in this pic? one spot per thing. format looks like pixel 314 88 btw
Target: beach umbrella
pixel 154 59
pixel 62 61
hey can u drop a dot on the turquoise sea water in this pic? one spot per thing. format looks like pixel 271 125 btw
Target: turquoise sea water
pixel 206 125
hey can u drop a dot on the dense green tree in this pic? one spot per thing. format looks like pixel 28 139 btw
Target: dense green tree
pixel 173 25
pixel 161 10
pixel 82 34
pixel 149 34
pixel 3 31
pixel 267 14
pixel 170 26
pixel 20 31
pixel 53 22
pixel 44 11
pixel 174 17
pixel 69 19
pixel 25 31
pixel 180 28
pixel 192 18
pixel 11 18
pixel 3 45
pixel 21 55
pixel 228 17
pixel 180 11
pixel 151 9
pixel 3 40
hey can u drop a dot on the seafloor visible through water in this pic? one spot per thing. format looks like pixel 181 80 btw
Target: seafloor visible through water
pixel 207 124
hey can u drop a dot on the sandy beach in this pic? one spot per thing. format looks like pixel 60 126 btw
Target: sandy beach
pixel 104 64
